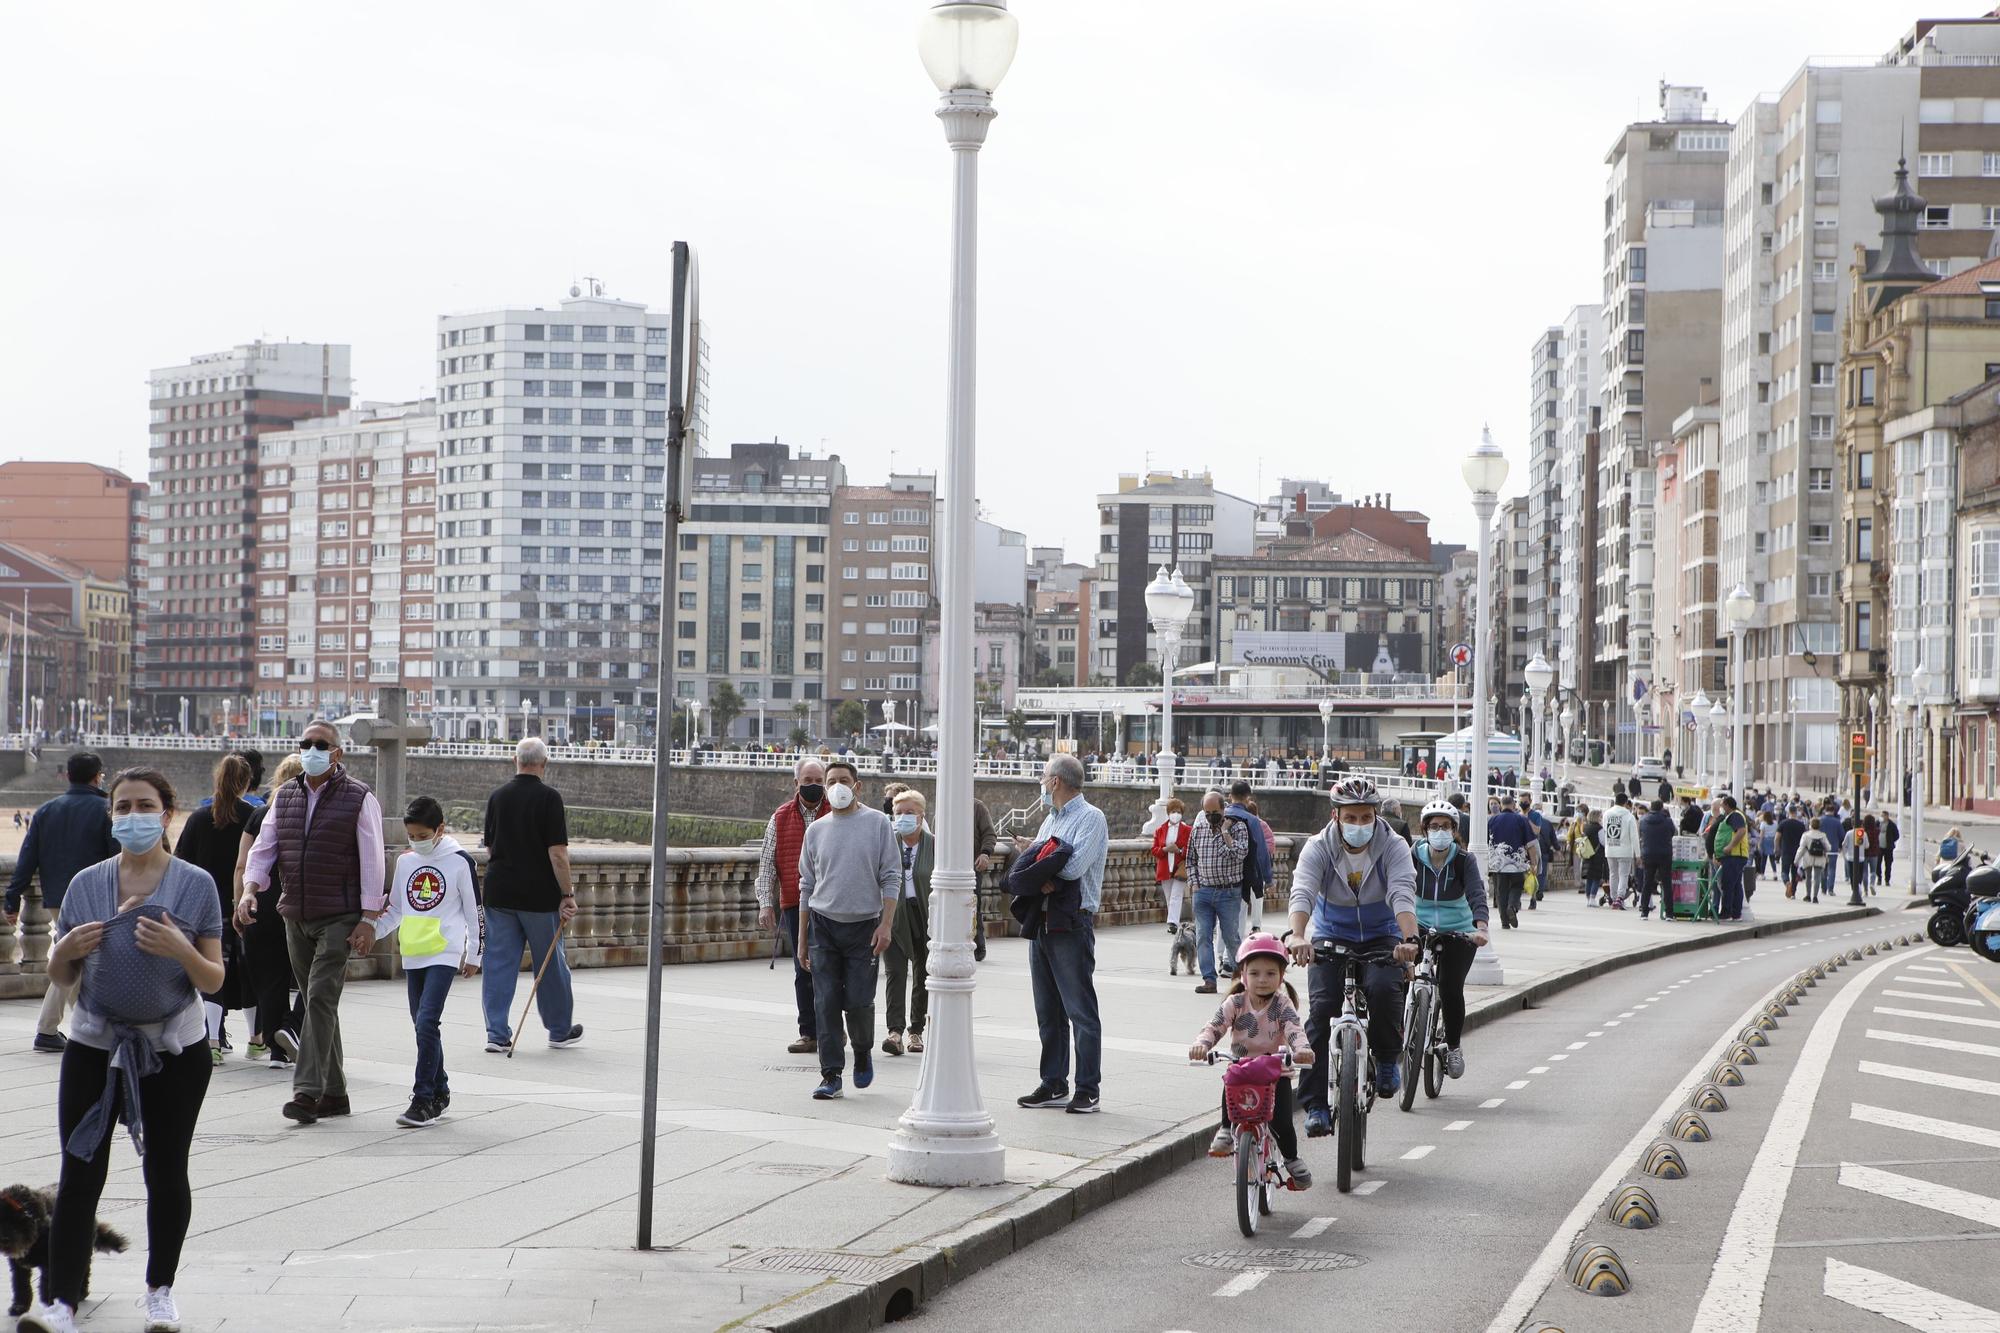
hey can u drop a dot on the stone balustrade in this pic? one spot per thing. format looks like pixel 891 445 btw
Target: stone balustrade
pixel 711 909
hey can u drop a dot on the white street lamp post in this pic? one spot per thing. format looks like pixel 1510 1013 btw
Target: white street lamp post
pixel 947 1136
pixel 1740 606
pixel 694 724
pixel 1697 708
pixel 1717 717
pixel 1169 601
pixel 1326 733
pixel 1568 719
pixel 1485 472
pixel 1539 675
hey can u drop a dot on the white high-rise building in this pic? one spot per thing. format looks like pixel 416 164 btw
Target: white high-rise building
pixel 1545 507
pixel 551 476
pixel 1577 409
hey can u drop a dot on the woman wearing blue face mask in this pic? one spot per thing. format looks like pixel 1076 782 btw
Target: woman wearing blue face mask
pixel 1451 896
pixel 908 954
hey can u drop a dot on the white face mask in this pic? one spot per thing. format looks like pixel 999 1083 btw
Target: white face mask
pixel 840 796
pixel 1174 817
pixel 423 846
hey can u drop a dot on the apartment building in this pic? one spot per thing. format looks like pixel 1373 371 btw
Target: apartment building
pixel 1573 598
pixel 1973 418
pixel 882 556
pixel 1692 509
pixel 1002 652
pixel 1545 510
pixel 78 625
pixel 552 455
pixel 1661 330
pixel 346 565
pixel 1508 651
pixel 207 417
pixel 1271 515
pixel 1154 519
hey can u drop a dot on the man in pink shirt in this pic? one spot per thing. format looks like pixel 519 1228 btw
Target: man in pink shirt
pixel 324 834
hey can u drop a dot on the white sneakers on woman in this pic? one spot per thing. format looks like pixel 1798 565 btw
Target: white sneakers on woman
pixel 55 1317
pixel 162 1315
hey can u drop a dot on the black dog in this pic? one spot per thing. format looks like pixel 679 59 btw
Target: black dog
pixel 24 1239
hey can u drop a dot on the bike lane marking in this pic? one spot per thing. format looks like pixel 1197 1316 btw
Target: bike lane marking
pixel 1956 1082
pixel 1976 984
pixel 1905 1302
pixel 1926 967
pixel 1922 1193
pixel 1457 1125
pixel 1369 1186
pixel 1929 981
pixel 1937 1043
pixel 1924 1124
pixel 1939 1018
pixel 1928 998
pixel 1490 1103
pixel 1247 1280
pixel 1517 1085
pixel 1313 1227
pixel 1734 1297
pixel 1421 1151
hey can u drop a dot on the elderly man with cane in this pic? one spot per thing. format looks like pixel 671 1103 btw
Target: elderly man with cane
pixel 529 900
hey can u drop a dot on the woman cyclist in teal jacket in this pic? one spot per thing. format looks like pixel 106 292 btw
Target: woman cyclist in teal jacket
pixel 1451 896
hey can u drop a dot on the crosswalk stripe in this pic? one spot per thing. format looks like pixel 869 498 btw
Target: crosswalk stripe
pixel 1955 1082
pixel 1905 1302
pixel 1939 1018
pixel 1929 998
pixel 1923 1124
pixel 1923 1193
pixel 1938 1043
pixel 1930 981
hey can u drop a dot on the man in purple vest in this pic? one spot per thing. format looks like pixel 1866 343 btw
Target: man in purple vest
pixel 324 833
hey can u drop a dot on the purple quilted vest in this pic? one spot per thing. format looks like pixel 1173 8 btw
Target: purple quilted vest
pixel 320 863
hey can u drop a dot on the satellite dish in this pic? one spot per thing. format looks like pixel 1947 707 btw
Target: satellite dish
pixel 575 290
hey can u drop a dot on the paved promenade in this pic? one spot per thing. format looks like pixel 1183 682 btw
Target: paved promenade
pixel 518 1211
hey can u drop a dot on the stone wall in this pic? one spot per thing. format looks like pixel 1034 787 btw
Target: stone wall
pixel 711 910
pixel 736 793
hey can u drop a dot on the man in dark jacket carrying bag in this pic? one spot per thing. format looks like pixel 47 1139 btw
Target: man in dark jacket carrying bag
pixel 66 834
pixel 1062 955
pixel 1656 857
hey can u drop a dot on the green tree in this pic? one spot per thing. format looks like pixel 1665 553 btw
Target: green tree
pixel 1017 724
pixel 1143 673
pixel 725 705
pixel 1048 678
pixel 802 710
pixel 850 717
pixel 800 737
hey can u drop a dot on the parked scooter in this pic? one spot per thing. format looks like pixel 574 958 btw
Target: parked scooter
pixel 1982 928
pixel 1954 885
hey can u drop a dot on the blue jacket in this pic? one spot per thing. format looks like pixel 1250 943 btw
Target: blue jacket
pixel 68 833
pixel 1452 896
pixel 1257 865
pixel 1656 836
pixel 1354 914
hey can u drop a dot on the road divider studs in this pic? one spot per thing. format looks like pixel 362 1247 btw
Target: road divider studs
pixel 1754 1035
pixel 1854 955
pixel 1664 1160
pixel 1892 941
pixel 1633 1208
pixel 1742 1054
pixel 1908 939
pixel 1708 1097
pixel 1870 951
pixel 1810 978
pixel 1689 1127
pixel 1726 1075
pixel 1598 1270
pixel 1766 1022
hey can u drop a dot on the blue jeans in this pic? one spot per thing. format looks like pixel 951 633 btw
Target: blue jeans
pixel 1212 908
pixel 428 988
pixel 802 982
pixel 1062 965
pixel 844 971
pixel 507 932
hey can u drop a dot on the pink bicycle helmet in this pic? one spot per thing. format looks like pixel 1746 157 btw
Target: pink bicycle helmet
pixel 1262 944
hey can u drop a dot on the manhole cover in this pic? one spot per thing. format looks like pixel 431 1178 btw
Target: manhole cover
pixel 802 1170
pixel 1276 1261
pixel 863 1267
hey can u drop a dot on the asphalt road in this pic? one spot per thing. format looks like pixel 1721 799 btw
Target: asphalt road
pixel 1474 1200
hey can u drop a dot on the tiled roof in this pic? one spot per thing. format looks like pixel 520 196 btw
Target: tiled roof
pixel 1347 547
pixel 1966 283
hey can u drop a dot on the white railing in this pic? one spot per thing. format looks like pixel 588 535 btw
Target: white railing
pixel 1087 700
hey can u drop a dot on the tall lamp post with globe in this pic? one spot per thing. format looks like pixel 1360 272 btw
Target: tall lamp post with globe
pixel 1539 675
pixel 1170 602
pixel 1741 606
pixel 946 1137
pixel 1326 733
pixel 1485 472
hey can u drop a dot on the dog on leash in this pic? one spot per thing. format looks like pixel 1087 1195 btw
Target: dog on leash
pixel 24 1239
pixel 1182 950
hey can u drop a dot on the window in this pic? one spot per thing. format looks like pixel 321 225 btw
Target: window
pixel 1820 426
pixel 1936 111
pixel 1823 270
pixel 1864 627
pixel 1937 217
pixel 1864 471
pixel 1819 534
pixel 1985 551
pixel 1702 141
pixel 1980 649
pixel 1819 585
pixel 1989 217
pixel 1819 480
pixel 1826 164
pixel 1933 164
pixel 1864 380
pixel 1822 375
pixel 1989 164
pixel 1822 321
pixel 1864 539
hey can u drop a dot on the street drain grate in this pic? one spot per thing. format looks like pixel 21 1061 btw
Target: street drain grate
pixel 1276 1261
pixel 801 1170
pixel 860 1267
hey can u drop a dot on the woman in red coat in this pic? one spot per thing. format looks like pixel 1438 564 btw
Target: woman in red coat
pixel 1170 852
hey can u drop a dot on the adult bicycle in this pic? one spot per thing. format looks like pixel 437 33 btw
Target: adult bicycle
pixel 1260 1167
pixel 1353 1063
pixel 1424 1045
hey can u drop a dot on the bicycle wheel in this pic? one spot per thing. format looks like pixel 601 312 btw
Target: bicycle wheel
pixel 1416 1043
pixel 1267 1170
pixel 1348 1116
pixel 1248 1187
pixel 1434 1049
pixel 1364 1106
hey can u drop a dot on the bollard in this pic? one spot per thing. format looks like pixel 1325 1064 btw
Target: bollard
pixel 1754 1036
pixel 1726 1075
pixel 1689 1127
pixel 1664 1160
pixel 1742 1054
pixel 1597 1270
pixel 1708 1097
pixel 1633 1208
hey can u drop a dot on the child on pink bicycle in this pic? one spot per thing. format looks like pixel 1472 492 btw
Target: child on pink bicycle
pixel 1260 1017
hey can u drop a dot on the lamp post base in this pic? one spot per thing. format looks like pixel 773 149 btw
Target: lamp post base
pixel 942 1160
pixel 1486 969
pixel 946 1137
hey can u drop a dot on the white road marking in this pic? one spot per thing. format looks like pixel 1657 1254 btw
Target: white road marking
pixel 1369 1186
pixel 1930 981
pixel 1626 1014
pixel 1247 1280
pixel 1456 1125
pixel 1559 1055
pixel 1579 1045
pixel 1547 1264
pixel 1929 998
pixel 1956 1082
pixel 1926 967
pixel 1642 1006
pixel 1539 1069
pixel 1734 1299
pixel 1923 1124
pixel 1905 1302
pixel 1312 1228
pixel 1938 1043
pixel 1517 1085
pixel 1939 1018
pixel 1490 1103
pixel 1923 1193
pixel 1610 1023
pixel 1422 1150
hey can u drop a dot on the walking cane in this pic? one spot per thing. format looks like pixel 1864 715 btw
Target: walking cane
pixel 554 944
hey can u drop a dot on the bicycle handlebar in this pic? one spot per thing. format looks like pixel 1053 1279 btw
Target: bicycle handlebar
pixel 1214 1055
pixel 1329 951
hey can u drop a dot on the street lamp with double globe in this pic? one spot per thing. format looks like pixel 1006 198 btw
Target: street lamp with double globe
pixel 946 1136
pixel 1539 675
pixel 1485 472
pixel 1170 603
pixel 1741 606
pixel 1326 733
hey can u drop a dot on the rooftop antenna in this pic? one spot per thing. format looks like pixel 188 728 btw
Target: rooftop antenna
pixel 596 287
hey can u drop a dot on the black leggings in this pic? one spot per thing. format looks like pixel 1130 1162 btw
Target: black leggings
pixel 1454 965
pixel 1282 1127
pixel 270 980
pixel 171 1101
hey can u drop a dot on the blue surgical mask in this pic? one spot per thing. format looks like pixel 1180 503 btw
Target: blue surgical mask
pixel 139 834
pixel 1440 839
pixel 1357 835
pixel 316 762
pixel 905 825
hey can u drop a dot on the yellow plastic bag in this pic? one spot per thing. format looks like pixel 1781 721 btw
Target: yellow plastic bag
pixel 1530 885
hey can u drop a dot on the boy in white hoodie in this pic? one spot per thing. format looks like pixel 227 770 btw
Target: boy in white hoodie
pixel 434 910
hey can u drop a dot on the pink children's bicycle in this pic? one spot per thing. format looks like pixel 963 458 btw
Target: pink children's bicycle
pixel 1250 1089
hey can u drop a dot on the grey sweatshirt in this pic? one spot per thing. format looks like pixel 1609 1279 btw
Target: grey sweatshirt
pixel 849 865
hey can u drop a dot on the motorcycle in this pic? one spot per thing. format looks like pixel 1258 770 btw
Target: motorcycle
pixel 1952 892
pixel 1982 928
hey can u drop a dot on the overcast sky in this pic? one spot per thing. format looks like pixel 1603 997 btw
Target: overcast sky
pixel 1286 237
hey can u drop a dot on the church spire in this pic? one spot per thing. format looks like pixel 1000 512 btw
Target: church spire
pixel 1901 210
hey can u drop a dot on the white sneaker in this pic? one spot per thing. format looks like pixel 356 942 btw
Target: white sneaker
pixel 1454 1063
pixel 162 1315
pixel 55 1317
